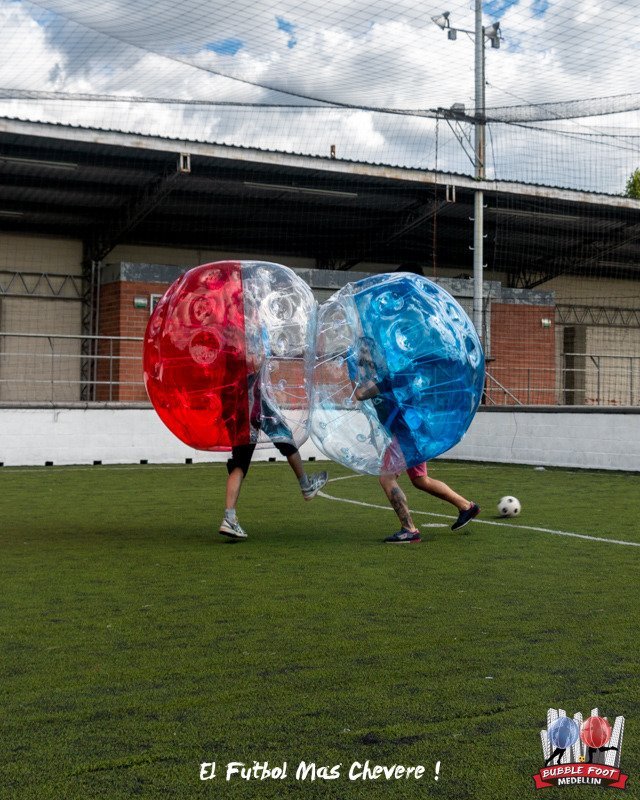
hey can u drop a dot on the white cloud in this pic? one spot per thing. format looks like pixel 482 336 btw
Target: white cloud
pixel 361 53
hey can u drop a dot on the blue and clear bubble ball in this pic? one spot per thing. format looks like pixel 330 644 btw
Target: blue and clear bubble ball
pixel 563 732
pixel 398 373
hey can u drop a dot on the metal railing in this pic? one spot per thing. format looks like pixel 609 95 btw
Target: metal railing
pixel 41 367
pixel 602 379
pixel 581 379
pixel 38 367
pixel 523 386
pixel 493 387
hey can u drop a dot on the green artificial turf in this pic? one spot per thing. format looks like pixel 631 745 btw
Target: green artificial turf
pixel 138 643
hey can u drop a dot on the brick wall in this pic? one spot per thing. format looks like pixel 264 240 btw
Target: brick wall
pixel 121 362
pixel 523 353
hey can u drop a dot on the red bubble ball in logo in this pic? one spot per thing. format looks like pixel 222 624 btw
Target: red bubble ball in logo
pixel 194 361
pixel 595 731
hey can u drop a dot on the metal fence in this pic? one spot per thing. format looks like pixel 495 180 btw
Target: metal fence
pixel 67 368
pixel 581 379
pixel 61 368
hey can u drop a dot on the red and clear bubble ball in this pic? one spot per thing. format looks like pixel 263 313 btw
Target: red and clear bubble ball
pixel 595 731
pixel 224 355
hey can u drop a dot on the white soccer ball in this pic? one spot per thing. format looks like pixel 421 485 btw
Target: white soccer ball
pixel 509 506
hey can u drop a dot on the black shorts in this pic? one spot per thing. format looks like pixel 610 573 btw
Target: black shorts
pixel 242 454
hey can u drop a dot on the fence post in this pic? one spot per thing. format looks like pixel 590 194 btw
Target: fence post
pixel 111 368
pixel 49 339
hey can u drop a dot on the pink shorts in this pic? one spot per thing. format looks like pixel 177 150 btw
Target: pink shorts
pixel 419 471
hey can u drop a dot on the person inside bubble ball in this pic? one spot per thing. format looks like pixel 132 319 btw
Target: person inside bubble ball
pixel 372 382
pixel 264 417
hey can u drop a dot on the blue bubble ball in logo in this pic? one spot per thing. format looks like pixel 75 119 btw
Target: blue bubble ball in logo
pixel 563 732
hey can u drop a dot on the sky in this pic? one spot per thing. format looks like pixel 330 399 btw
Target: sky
pixel 345 59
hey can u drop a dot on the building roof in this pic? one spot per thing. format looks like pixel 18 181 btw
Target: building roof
pixel 107 187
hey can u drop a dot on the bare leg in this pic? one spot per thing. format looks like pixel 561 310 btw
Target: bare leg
pixel 295 462
pixel 440 490
pixel 398 501
pixel 234 483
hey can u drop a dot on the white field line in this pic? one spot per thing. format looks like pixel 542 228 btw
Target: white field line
pixel 105 467
pixel 131 467
pixel 125 467
pixel 477 521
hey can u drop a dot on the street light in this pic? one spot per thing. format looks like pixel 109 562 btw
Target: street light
pixel 442 21
pixel 493 34
pixel 480 35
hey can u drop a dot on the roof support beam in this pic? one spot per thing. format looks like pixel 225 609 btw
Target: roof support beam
pixel 566 262
pixel 606 316
pixel 152 194
pixel 378 241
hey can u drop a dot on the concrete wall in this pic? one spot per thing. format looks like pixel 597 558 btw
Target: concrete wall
pixel 594 439
pixel 35 436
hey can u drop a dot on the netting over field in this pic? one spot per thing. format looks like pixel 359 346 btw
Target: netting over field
pixel 370 83
pixel 371 79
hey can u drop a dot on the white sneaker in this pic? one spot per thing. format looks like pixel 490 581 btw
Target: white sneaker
pixel 232 529
pixel 314 484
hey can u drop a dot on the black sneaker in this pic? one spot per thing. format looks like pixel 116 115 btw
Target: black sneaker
pixel 466 516
pixel 404 537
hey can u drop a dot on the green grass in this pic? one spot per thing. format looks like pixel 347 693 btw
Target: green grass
pixel 137 643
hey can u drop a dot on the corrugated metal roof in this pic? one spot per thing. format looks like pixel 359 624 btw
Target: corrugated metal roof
pixel 103 187
pixel 299 154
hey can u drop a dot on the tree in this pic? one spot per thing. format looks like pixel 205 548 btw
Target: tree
pixel 632 188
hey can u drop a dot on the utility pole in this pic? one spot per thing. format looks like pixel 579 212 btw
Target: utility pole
pixel 478 199
pixel 480 34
